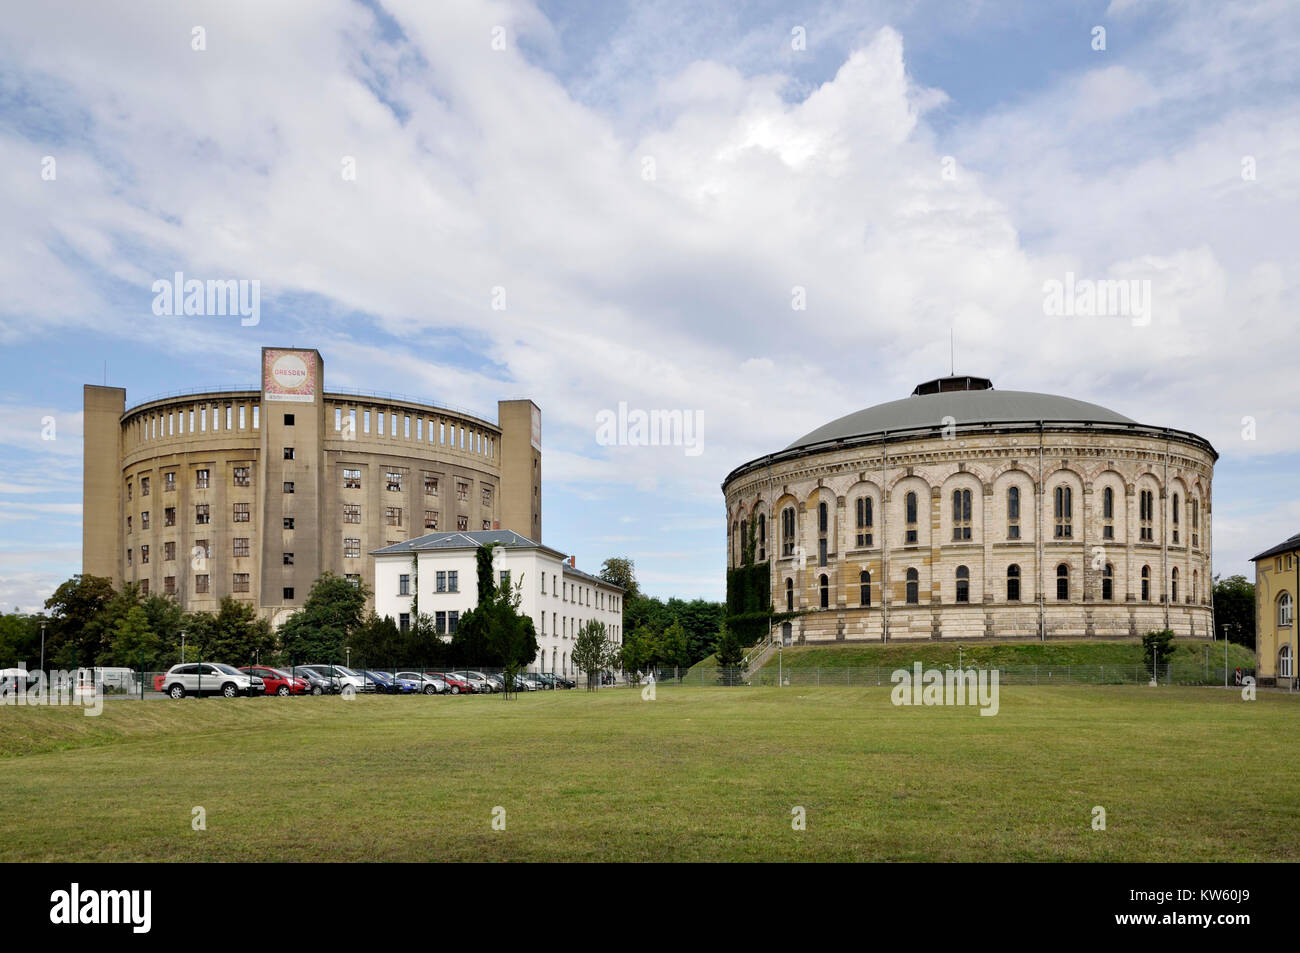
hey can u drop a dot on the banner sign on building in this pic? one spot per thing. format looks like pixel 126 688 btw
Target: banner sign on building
pixel 289 375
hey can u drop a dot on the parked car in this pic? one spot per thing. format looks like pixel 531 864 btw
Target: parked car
pixel 456 684
pixel 344 677
pixel 563 681
pixel 532 679
pixel 317 684
pixel 210 678
pixel 278 682
pixel 429 684
pixel 388 684
pixel 481 681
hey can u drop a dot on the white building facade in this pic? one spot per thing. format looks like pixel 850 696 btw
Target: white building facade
pixel 439 573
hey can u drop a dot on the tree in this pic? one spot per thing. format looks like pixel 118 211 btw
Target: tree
pixel 323 628
pixel 636 651
pixel 1156 649
pixel 234 635
pixel 591 651
pixel 730 656
pixel 133 641
pixel 494 632
pixel 378 642
pixel 76 634
pixel 621 572
pixel 1234 605
pixel 672 647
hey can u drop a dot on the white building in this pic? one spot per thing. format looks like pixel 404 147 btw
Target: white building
pixel 558 596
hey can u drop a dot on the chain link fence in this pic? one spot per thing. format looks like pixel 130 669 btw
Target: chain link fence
pixel 1173 673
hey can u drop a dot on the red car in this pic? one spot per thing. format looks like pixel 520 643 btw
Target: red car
pixel 458 686
pixel 278 682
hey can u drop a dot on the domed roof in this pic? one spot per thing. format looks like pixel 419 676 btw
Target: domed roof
pixel 968 400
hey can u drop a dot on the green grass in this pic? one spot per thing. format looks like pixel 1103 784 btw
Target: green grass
pixel 994 654
pixel 697 774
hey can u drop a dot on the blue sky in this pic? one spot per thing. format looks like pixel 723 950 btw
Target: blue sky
pixel 523 168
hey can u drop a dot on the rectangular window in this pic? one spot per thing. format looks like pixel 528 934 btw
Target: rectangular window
pixel 462 523
pixel 242 513
pixel 430 484
pixel 241 548
pixel 462 490
pixel 144 587
pixel 352 512
pixel 487 496
pixel 169 585
pixel 404 621
pixel 288 486
pixel 395 481
pixel 288 420
pixel 288 592
pixel 202 549
pixel 288 453
pixel 201 583
pixel 452 584
pixel 288 522
pixel 393 515
pixel 144 486
pixel 403 585
pixel 169 481
pixel 351 548
pixel 288 559
pixel 440 623
pixel 240 582
pixel 242 476
pixel 351 479
pixel 128 489
pixel 487 524
pixel 430 519
pixel 144 555
pixel 144 519
pixel 169 552
pixel 169 516
pixel 441 582
pixel 200 479
pixel 128 557
pixel 452 618
pixel 201 514
pixel 353 577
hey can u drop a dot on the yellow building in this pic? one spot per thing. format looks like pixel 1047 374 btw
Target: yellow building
pixel 1277 579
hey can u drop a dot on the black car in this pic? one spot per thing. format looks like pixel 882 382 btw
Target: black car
pixel 320 685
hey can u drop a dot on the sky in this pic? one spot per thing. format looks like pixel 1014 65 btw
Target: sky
pixel 766 215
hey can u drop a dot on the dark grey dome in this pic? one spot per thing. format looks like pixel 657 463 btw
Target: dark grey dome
pixel 968 401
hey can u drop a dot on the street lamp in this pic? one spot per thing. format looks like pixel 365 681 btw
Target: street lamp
pixel 1225 655
pixel 42 646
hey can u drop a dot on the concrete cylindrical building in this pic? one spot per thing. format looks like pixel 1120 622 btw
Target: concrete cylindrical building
pixel 255 493
pixel 968 512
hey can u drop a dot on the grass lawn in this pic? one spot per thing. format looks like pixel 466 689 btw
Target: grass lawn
pixel 700 773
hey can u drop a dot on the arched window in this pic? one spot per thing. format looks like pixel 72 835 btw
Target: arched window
pixel 1108 583
pixel 1173 585
pixel 864 587
pixel 1146 512
pixel 1013 512
pixel 822 517
pixel 1176 524
pixel 1146 583
pixel 823 522
pixel 762 537
pixel 1063 581
pixel 963 582
pixel 1064 512
pixel 864 522
pixel 1196 522
pixel 1108 513
pixel 960 515
pixel 789 595
pixel 1284 662
pixel 1195 595
pixel 1013 583
pixel 744 538
pixel 1284 609
pixel 913 587
pixel 910 505
pixel 787 531
pixel 826 591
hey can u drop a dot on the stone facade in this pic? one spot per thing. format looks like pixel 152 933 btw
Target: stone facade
pixel 1081 576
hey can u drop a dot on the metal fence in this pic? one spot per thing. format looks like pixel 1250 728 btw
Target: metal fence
pixel 1172 673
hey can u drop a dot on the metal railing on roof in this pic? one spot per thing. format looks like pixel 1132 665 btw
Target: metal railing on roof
pixel 389 396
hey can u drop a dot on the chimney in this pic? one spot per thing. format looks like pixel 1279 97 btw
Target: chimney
pixel 573 562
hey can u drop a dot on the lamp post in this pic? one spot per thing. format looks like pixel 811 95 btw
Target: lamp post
pixel 42 646
pixel 182 646
pixel 1225 655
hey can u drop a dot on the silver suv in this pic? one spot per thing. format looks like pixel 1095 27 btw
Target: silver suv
pixel 210 678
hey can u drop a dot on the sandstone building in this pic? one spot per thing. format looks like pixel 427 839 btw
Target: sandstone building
pixel 968 512
pixel 254 493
